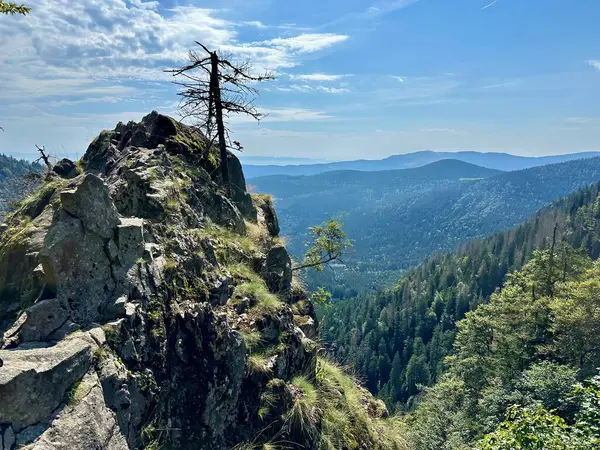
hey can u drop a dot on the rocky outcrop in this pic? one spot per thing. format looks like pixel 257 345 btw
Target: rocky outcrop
pixel 85 424
pixel 34 381
pixel 277 270
pixel 266 209
pixel 238 188
pixel 66 168
pixel 136 310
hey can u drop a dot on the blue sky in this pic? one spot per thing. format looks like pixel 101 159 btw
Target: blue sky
pixel 355 78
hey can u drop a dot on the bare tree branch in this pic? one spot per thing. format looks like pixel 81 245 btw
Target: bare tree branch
pixel 44 157
pixel 212 89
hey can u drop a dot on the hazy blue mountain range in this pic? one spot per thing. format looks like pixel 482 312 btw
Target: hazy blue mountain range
pixel 398 218
pixel 431 298
pixel 500 161
pixel 279 160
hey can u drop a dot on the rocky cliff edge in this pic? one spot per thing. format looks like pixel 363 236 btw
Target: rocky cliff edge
pixel 141 307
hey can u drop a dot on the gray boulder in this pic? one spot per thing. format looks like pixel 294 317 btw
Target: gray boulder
pixel 78 268
pixel 91 203
pixel 40 377
pixel 86 423
pixel 38 323
pixel 66 168
pixel 239 195
pixel 130 240
pixel 267 210
pixel 222 211
pixel 277 270
pixel 7 439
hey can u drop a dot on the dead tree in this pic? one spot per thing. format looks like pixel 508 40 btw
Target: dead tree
pixel 212 89
pixel 44 157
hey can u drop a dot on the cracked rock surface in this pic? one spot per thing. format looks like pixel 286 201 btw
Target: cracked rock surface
pixel 136 298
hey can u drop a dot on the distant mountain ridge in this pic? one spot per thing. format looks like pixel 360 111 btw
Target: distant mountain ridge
pixel 280 160
pixel 397 218
pixel 432 297
pixel 499 161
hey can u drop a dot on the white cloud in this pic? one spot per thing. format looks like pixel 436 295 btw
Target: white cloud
pixel 330 90
pixel 581 123
pixel 307 42
pixel 440 130
pixel 83 45
pixel 317 77
pixel 256 24
pixel 594 63
pixel 309 88
pixel 38 88
pixel 145 5
pixel 285 114
pixel 397 78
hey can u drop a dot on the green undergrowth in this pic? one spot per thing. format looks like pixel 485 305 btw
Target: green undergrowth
pixel 331 410
pixel 230 247
pixel 351 418
pixel 265 301
pixel 302 419
pixel 78 392
pixel 260 354
pixel 258 363
pixel 192 139
pixel 252 338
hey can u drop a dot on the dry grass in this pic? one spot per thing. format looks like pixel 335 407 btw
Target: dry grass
pixel 259 235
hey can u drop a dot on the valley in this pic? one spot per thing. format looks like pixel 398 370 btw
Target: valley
pixel 398 218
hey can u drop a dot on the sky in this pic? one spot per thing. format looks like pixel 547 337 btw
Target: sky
pixel 355 78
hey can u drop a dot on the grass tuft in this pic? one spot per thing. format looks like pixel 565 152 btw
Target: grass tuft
pixel 259 235
pixel 303 417
pixel 259 364
pixel 252 338
pixel 346 421
pixel 266 302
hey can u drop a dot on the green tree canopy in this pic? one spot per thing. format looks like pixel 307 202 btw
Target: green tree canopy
pixel 13 8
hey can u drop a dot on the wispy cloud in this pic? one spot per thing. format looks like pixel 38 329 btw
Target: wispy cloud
pixel 317 77
pixel 384 7
pixel 308 42
pixel 285 114
pixel 310 88
pixel 397 78
pixel 489 5
pixel 590 121
pixel 594 63
pixel 256 24
pixel 441 130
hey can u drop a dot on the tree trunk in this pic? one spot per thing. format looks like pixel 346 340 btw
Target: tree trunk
pixel 44 157
pixel 216 89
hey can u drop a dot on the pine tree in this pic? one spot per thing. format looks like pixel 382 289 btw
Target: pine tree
pixel 213 88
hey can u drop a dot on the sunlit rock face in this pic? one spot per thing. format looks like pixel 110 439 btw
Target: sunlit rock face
pixel 136 297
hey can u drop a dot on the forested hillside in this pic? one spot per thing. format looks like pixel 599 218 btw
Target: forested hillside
pixel 397 340
pixel 398 218
pixel 12 184
pixel 501 161
pixel 524 366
